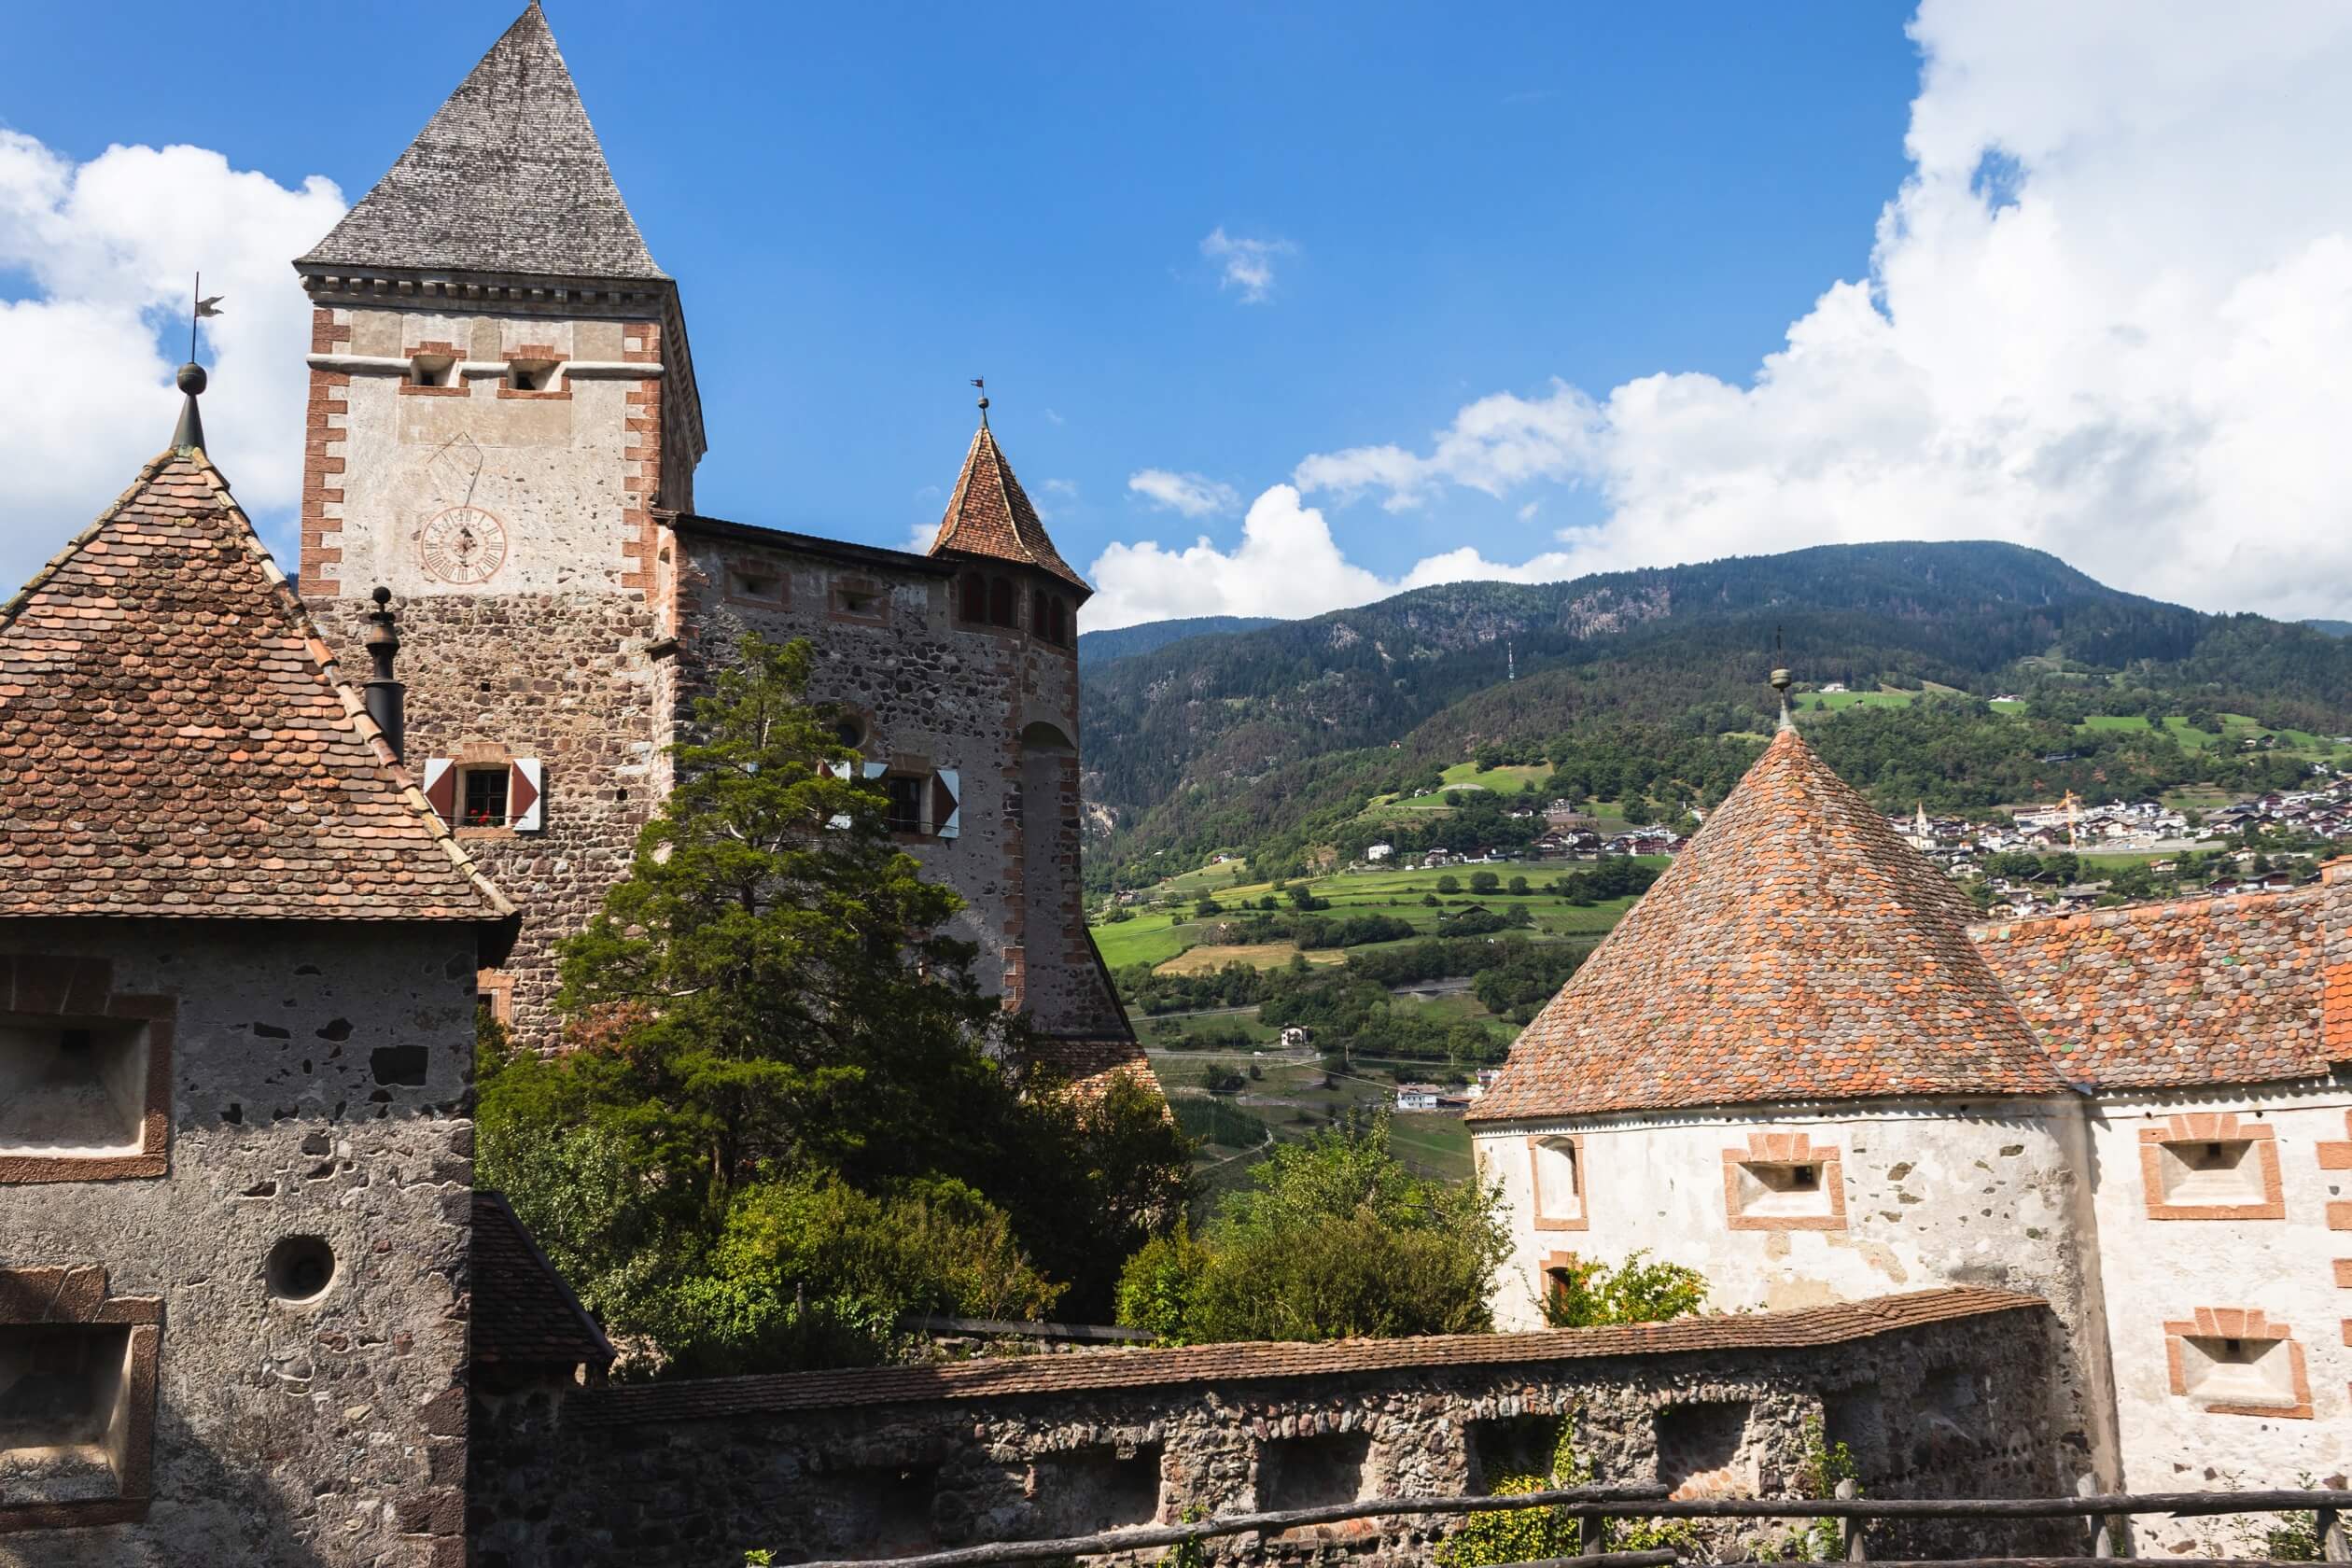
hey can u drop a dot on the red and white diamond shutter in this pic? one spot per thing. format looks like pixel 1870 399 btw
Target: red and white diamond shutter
pixel 527 795
pixel 440 789
pixel 946 804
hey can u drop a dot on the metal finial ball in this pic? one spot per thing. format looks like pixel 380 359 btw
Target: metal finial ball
pixel 983 403
pixel 1780 681
pixel 192 379
pixel 381 596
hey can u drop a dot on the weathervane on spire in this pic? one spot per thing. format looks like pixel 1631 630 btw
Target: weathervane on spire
pixel 190 435
pixel 982 383
pixel 1780 681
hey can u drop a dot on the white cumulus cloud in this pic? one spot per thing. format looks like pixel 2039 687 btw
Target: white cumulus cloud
pixel 2109 314
pixel 1245 265
pixel 1191 494
pixel 107 251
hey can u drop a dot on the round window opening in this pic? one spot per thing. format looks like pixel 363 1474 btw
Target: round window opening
pixel 300 1268
pixel 850 730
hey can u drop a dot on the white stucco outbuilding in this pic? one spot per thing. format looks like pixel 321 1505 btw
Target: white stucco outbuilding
pixel 1798 1069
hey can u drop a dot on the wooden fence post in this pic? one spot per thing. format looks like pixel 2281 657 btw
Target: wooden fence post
pixel 1850 1527
pixel 1588 1530
pixel 2101 1525
pixel 2334 1545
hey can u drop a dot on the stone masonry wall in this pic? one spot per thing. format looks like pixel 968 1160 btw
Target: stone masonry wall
pixel 899 1461
pixel 319 1085
pixel 563 678
pixel 993 703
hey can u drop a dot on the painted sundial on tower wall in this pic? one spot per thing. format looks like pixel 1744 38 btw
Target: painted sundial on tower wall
pixel 462 544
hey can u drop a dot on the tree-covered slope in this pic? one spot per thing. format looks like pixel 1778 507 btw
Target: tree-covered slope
pixel 1231 738
pixel 1098 648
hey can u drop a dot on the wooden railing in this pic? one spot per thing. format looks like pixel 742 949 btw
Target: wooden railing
pixel 1593 1506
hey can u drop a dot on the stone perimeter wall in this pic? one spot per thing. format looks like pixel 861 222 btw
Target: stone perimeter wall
pixel 633 1475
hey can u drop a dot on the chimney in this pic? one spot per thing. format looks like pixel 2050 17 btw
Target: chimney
pixel 386 699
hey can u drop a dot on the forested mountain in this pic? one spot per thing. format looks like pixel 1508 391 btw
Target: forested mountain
pixel 1240 740
pixel 1095 647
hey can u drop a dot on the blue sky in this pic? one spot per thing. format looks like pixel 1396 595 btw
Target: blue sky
pixel 866 205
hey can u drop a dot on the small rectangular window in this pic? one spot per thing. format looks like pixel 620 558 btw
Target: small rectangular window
pixel 1559 1181
pixel 65 1411
pixel 746 584
pixel 1784 1182
pixel 531 375
pixel 2224 1371
pixel 485 805
pixel 906 791
pixel 431 370
pixel 70 1089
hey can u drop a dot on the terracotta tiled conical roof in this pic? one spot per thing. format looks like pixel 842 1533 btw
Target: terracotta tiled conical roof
pixel 990 514
pixel 1797 950
pixel 507 176
pixel 176 739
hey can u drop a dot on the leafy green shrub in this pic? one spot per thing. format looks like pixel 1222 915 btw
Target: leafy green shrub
pixel 1334 1238
pixel 1586 1292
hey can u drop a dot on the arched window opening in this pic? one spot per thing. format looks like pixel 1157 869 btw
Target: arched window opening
pixel 1059 632
pixel 972 603
pixel 1037 613
pixel 1002 605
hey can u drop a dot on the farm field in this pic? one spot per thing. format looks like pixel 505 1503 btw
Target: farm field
pixel 1169 938
pixel 1288 1103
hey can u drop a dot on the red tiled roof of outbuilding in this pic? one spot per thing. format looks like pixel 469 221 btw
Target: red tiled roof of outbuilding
pixel 1797 950
pixel 175 739
pixel 990 514
pixel 2227 990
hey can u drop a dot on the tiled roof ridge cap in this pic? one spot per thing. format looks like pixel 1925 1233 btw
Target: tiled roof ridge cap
pixel 328 671
pixel 1258 1361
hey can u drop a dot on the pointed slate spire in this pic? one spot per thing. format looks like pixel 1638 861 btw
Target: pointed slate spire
pixel 507 178
pixel 990 513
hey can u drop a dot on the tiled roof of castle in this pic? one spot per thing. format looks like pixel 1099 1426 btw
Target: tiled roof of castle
pixel 705 1398
pixel 1798 950
pixel 176 740
pixel 2230 990
pixel 523 1312
pixel 507 176
pixel 990 514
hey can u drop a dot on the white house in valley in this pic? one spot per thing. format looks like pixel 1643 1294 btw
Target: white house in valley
pixel 1797 1068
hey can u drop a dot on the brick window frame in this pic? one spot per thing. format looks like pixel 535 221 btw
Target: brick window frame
pixel 455 387
pixel 739 568
pixel 2211 1128
pixel 842 592
pixel 2237 1322
pixel 1582 1218
pixel 536 354
pixel 1786 1149
pixel 2335 1156
pixel 77 1294
pixel 1554 1262
pixel 46 986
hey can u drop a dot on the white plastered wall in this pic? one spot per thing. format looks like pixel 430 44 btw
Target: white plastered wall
pixel 2162 1270
pixel 1935 1193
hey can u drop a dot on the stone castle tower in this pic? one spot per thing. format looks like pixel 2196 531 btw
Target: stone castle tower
pixel 503 429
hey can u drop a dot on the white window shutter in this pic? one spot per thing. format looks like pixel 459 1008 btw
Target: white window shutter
pixel 527 796
pixel 440 789
pixel 947 805
pixel 875 770
pixel 835 770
